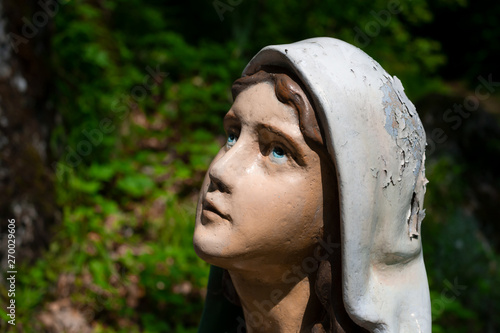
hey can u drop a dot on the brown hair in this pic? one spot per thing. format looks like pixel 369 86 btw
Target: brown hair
pixel 288 91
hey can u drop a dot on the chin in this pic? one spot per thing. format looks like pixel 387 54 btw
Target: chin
pixel 202 249
pixel 212 247
pixel 207 245
pixel 212 257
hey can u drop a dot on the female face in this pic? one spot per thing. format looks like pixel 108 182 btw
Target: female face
pixel 262 199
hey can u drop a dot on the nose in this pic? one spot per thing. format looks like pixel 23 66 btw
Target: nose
pixel 225 170
pixel 216 183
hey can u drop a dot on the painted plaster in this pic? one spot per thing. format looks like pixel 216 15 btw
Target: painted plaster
pixel 374 279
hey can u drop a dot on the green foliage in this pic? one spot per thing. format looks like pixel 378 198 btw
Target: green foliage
pixel 123 253
pixel 120 255
pixel 461 265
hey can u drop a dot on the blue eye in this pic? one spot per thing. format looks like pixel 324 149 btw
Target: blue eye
pixel 231 139
pixel 278 155
pixel 278 152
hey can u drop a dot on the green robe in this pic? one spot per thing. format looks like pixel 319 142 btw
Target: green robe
pixel 220 315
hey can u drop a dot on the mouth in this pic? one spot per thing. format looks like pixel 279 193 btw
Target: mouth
pixel 211 212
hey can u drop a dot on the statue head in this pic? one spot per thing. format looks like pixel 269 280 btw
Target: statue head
pixel 270 188
pixel 324 164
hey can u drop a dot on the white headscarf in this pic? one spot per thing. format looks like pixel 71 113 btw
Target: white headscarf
pixel 377 142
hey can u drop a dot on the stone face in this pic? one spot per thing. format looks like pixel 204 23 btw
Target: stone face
pixel 265 185
pixel 370 175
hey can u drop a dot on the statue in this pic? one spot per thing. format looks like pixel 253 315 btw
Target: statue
pixel 310 214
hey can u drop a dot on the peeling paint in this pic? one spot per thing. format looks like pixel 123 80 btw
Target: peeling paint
pixel 388 179
pixel 413 220
pixel 402 123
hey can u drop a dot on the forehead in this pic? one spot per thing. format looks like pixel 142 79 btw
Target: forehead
pixel 258 103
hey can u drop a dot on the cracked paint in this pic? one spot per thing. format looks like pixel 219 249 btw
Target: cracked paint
pixel 402 123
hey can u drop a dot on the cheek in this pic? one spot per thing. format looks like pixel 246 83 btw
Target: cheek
pixel 280 207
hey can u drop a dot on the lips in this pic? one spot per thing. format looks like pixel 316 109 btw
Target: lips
pixel 210 210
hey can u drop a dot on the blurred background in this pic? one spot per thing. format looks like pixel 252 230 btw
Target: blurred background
pixel 110 113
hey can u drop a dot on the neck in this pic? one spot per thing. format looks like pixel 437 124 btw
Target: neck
pixel 280 304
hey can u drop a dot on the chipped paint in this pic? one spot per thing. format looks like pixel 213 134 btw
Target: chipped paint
pixel 405 128
pixel 402 124
pixel 413 223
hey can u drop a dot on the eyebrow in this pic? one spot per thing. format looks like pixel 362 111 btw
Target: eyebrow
pixel 299 152
pixel 230 117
